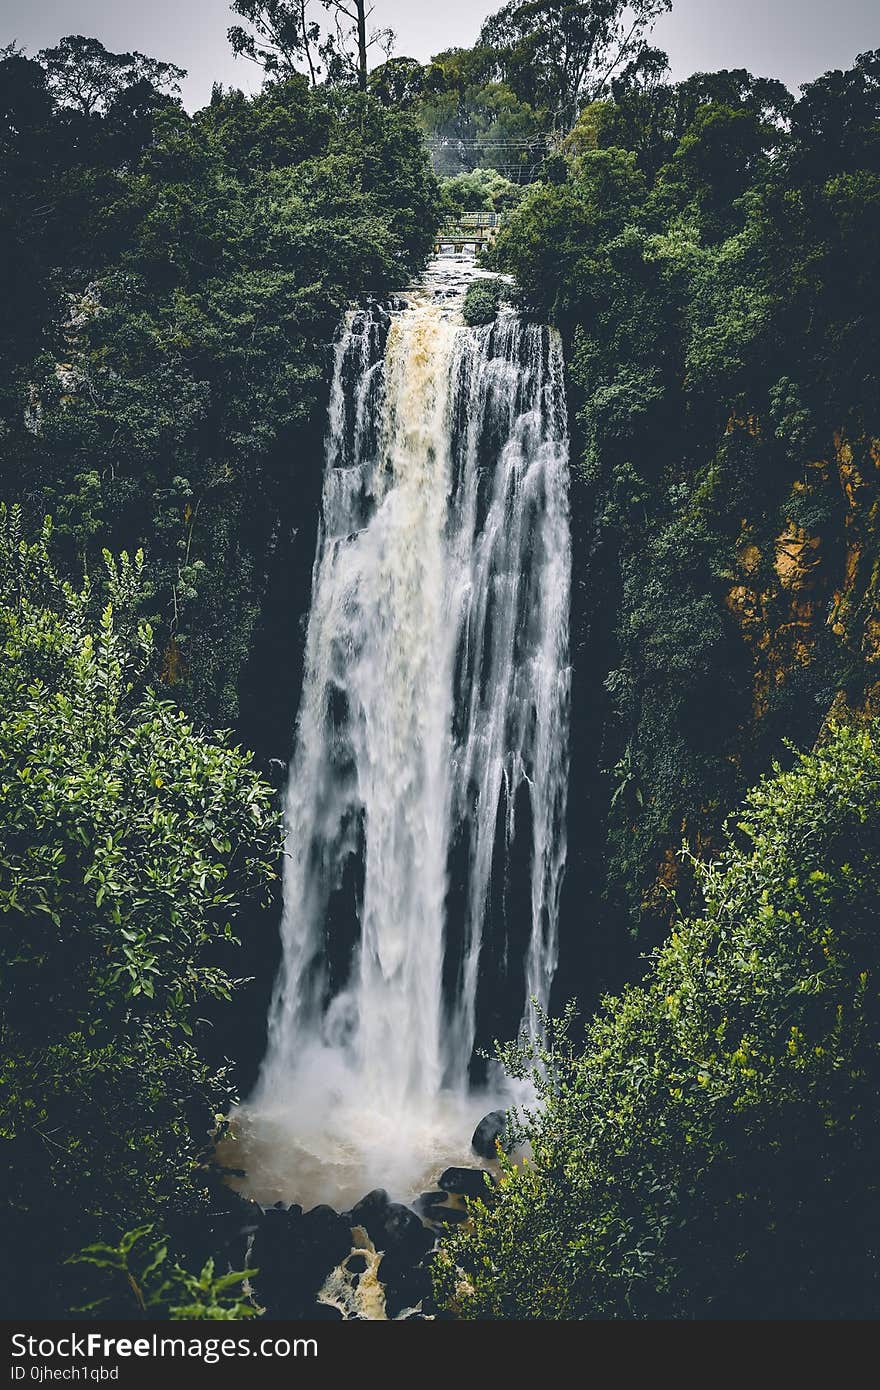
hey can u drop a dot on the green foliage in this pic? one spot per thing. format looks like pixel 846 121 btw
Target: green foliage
pixel 84 75
pixel 482 301
pixel 475 120
pixel 168 326
pixel 284 36
pixel 706 251
pixel 480 190
pixel 145 1282
pixel 130 844
pixel 279 36
pixel 557 54
pixel 710 1151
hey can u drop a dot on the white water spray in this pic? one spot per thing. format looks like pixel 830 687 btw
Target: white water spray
pixel 431 747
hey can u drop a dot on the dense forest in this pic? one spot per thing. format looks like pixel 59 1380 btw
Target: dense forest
pixel 172 283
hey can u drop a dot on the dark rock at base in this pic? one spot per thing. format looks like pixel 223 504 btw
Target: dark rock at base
pixel 240 1226
pixel 467 1182
pixel 391 1226
pixel 404 1232
pixel 276 1254
pixel 449 1216
pixel 327 1236
pixel 222 1233
pixel 372 1207
pixel 404 1288
pixel 428 1199
pixel 278 1223
pixel 293 1254
pixel 492 1127
pixel 326 1312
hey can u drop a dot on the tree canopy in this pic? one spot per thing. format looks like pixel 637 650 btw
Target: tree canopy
pixel 559 54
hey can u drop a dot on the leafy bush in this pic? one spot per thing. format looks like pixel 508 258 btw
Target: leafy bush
pixel 482 302
pixel 480 190
pixel 129 842
pixel 712 1150
pixel 145 1282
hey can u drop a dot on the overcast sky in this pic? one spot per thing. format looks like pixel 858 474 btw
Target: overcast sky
pixel 795 40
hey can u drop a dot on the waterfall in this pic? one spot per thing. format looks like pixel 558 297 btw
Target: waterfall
pixel 431 743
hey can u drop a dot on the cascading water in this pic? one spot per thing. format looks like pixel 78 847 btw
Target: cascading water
pixel 431 747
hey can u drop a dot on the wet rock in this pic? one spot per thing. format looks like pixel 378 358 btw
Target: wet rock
pixel 429 1199
pixel 446 1215
pixel 491 1128
pixel 405 1287
pixel 223 1233
pixel 276 1253
pixel 404 1232
pixel 327 1236
pixel 326 1312
pixel 293 1253
pixel 391 1226
pixel 467 1182
pixel 370 1208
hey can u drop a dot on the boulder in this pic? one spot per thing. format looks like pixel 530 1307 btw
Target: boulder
pixel 467 1182
pixel 276 1253
pixel 404 1233
pixel 370 1208
pixel 326 1312
pixel 293 1253
pixel 404 1287
pixel 428 1199
pixel 491 1128
pixel 327 1237
pixel 391 1226
pixel 449 1216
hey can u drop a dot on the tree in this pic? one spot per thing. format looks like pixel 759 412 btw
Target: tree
pixel 349 49
pixel 561 54
pixel 650 115
pixel 474 120
pixel 84 75
pixel 283 37
pixel 398 82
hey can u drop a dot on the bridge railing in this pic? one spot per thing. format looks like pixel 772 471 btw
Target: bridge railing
pixel 470 228
pixel 480 219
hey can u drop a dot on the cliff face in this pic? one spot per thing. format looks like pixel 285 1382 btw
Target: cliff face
pixel 816 593
pixel 806 606
pixel 855 615
pixel 743 614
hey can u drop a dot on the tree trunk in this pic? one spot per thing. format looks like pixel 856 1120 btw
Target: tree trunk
pixel 304 26
pixel 361 6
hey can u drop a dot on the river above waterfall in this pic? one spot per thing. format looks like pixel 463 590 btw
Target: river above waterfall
pixel 425 807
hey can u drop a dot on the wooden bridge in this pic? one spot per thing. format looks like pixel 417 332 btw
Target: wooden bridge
pixel 474 229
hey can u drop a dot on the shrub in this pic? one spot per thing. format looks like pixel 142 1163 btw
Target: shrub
pixel 482 302
pixel 711 1151
pixel 128 842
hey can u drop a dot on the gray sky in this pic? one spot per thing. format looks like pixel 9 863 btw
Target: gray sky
pixel 795 40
